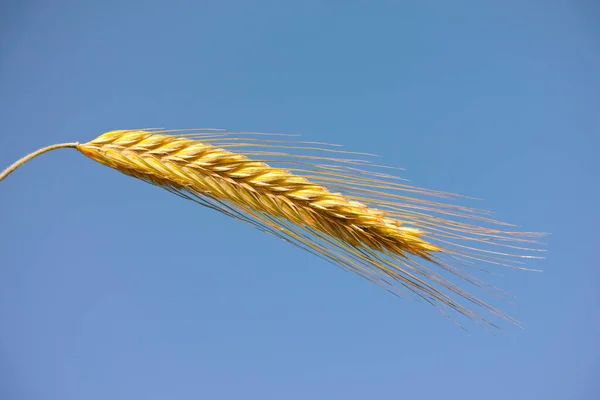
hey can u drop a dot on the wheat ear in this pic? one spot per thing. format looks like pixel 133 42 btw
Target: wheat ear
pixel 367 226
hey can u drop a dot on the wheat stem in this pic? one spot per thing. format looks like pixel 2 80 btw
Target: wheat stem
pixel 28 157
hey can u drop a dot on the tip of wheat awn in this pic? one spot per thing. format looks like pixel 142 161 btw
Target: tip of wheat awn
pixel 335 204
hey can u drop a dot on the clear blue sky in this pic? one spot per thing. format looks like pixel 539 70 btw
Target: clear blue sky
pixel 113 289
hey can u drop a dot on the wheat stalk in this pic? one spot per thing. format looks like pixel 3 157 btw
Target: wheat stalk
pixel 368 226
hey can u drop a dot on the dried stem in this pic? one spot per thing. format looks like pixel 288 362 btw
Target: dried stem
pixel 28 157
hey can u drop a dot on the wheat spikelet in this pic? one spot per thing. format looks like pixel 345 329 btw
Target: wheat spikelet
pixel 339 209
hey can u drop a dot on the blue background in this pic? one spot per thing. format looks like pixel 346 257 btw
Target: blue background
pixel 111 288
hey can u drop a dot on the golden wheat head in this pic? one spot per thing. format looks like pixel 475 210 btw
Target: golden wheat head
pixel 346 211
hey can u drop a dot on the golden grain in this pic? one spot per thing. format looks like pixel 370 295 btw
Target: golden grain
pixel 368 224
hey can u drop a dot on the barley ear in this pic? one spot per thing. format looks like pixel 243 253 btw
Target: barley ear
pixel 30 156
pixel 347 211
